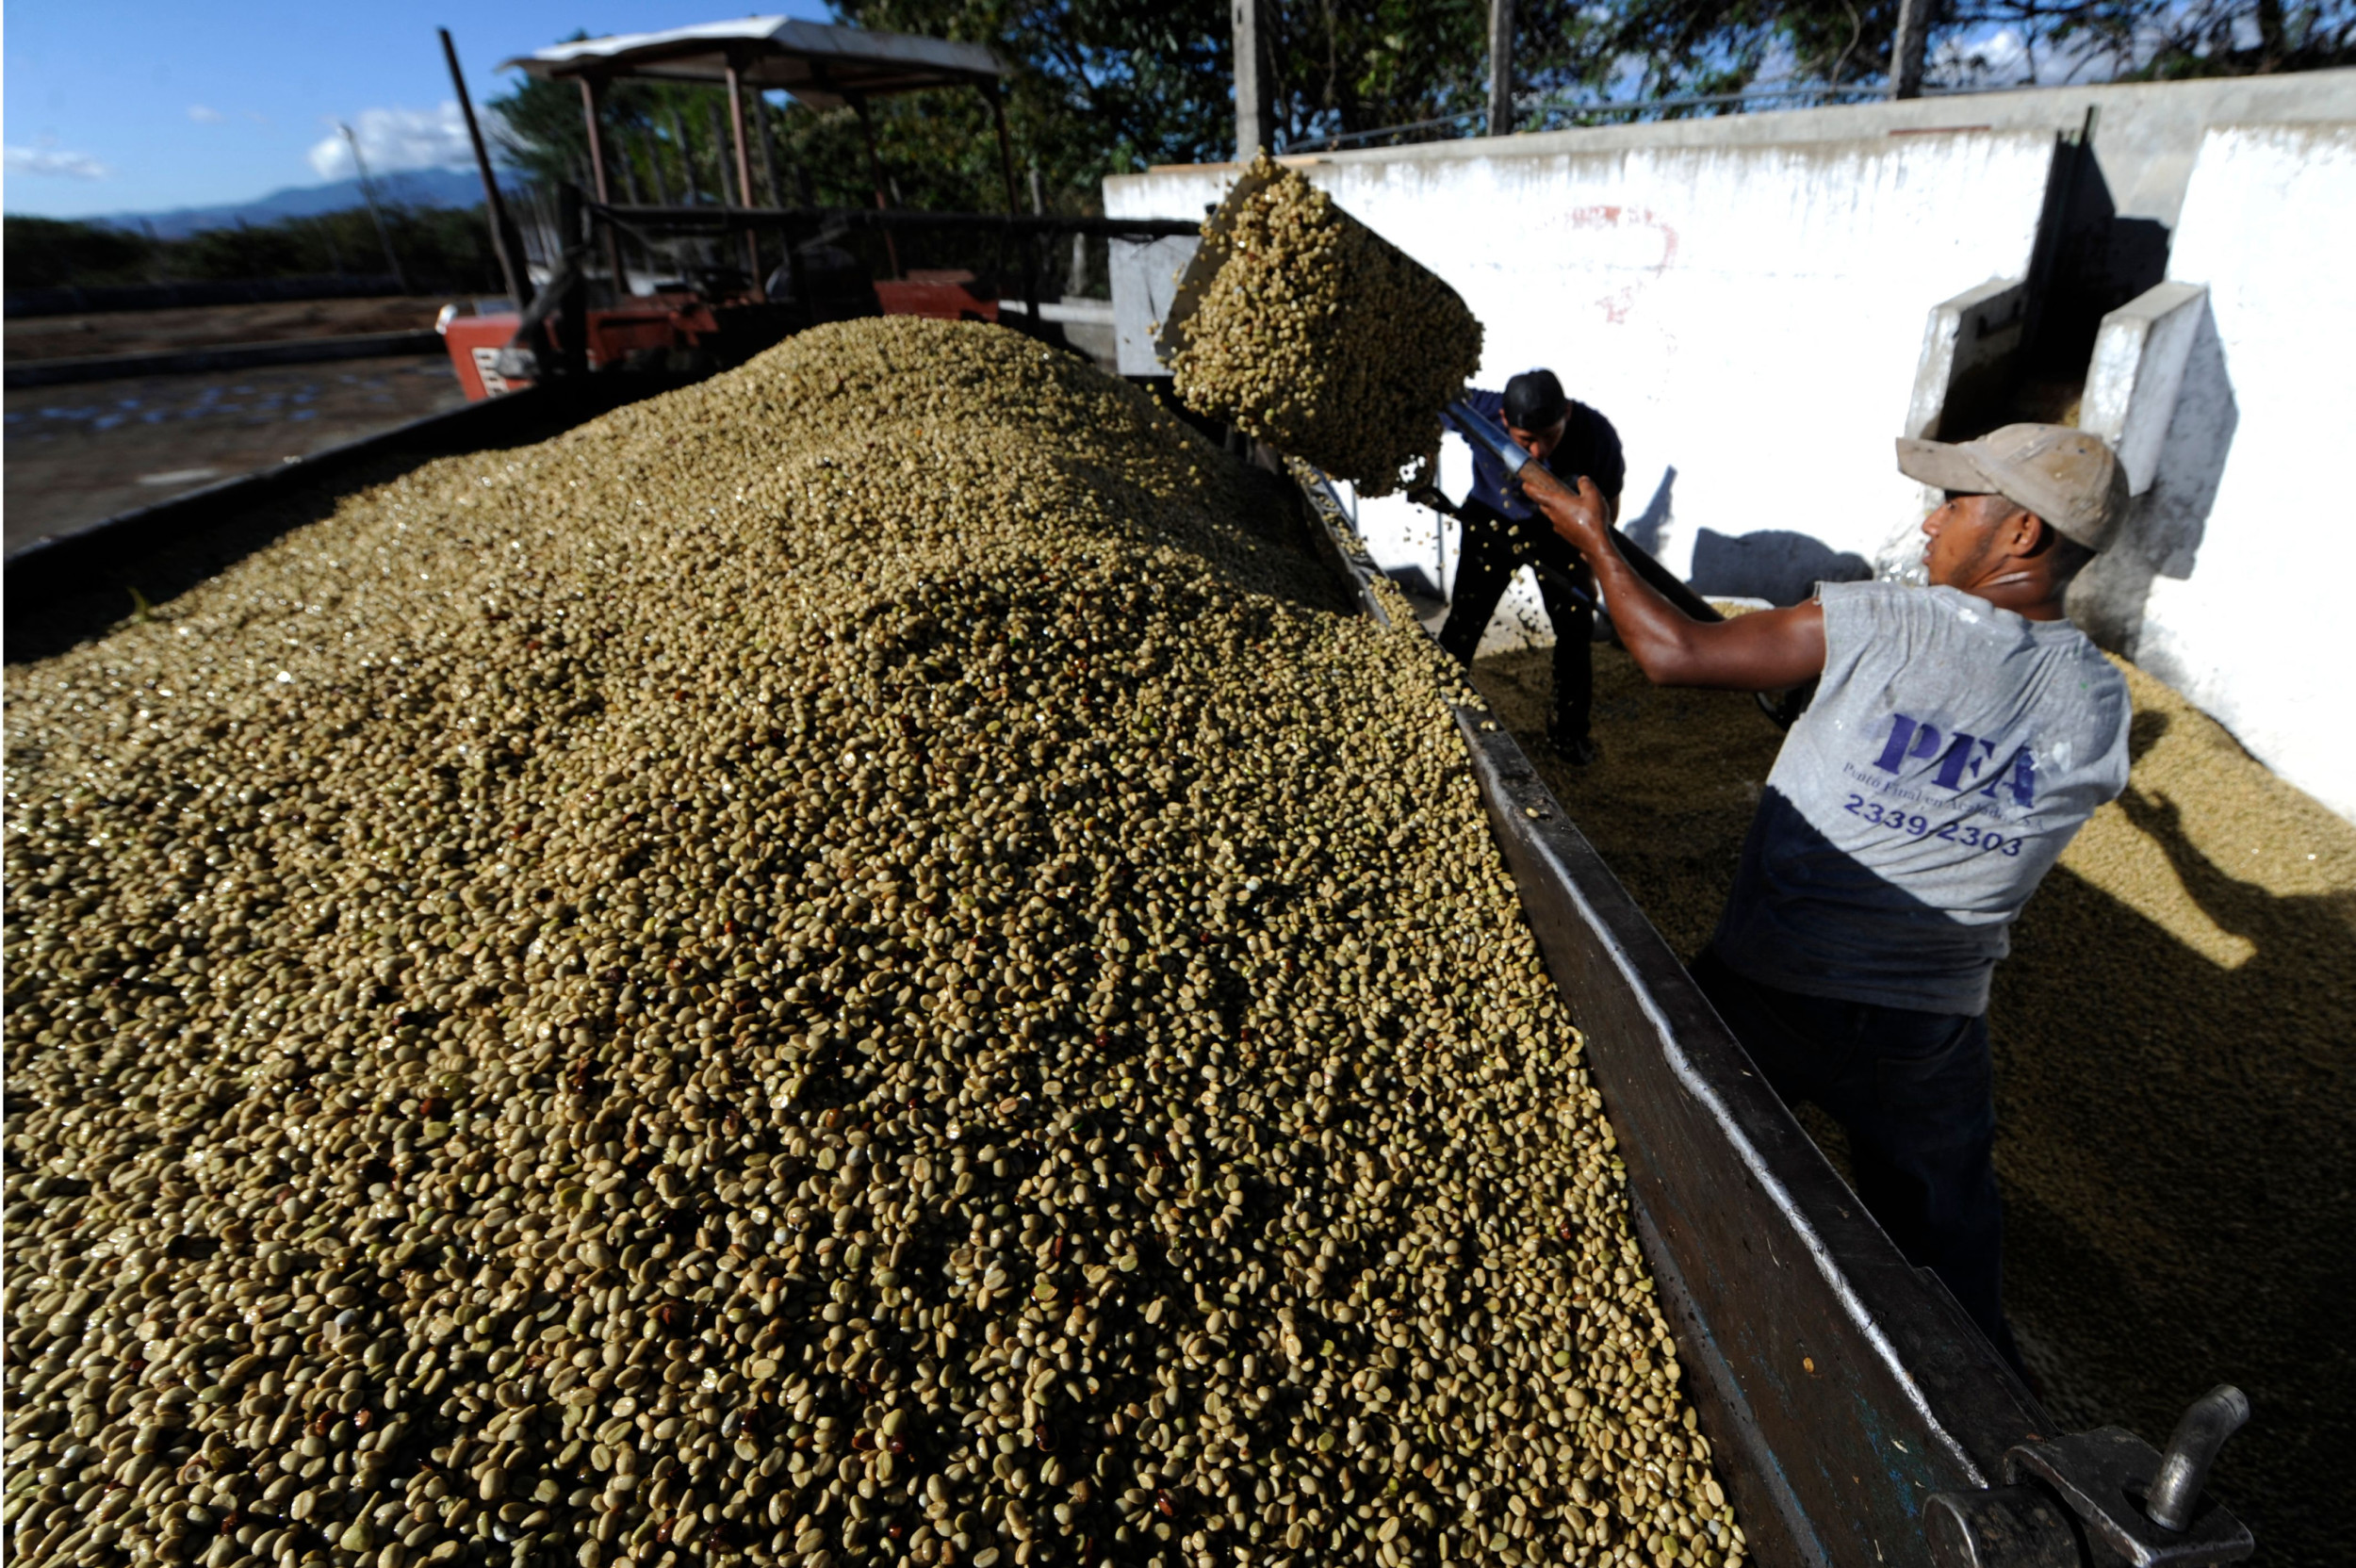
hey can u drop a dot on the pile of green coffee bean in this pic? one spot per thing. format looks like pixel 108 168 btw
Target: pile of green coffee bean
pixel 853 964
pixel 1320 337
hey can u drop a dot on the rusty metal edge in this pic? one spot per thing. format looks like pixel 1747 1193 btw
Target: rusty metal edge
pixel 61 566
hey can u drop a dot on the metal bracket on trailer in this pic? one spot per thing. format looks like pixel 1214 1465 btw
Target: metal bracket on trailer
pixel 1862 1418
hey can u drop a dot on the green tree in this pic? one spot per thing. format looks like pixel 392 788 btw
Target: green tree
pixel 445 249
pixel 1102 87
pixel 2158 39
pixel 1650 49
pixel 1095 86
pixel 50 252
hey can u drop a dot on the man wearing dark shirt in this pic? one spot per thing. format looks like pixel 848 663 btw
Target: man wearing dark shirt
pixel 1503 533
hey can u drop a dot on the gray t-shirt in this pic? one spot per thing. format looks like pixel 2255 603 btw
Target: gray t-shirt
pixel 1953 751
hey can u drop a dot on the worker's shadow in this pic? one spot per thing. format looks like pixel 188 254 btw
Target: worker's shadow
pixel 1775 565
pixel 2174 1147
pixel 1643 530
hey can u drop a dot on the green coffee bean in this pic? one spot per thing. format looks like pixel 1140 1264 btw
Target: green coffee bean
pixel 860 948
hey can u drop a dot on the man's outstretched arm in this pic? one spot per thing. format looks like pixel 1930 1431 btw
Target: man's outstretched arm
pixel 1762 652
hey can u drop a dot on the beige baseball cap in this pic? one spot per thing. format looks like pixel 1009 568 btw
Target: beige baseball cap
pixel 2065 476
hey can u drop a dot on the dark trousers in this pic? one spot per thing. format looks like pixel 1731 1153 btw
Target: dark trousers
pixel 1915 1093
pixel 1494 548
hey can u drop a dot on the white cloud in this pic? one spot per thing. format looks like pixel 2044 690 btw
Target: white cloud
pixel 398 138
pixel 46 157
pixel 204 116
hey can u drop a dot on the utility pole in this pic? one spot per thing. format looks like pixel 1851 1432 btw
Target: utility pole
pixel 367 194
pixel 1908 49
pixel 1256 94
pixel 1500 67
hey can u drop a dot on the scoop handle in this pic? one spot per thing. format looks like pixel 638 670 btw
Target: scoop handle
pixel 1483 435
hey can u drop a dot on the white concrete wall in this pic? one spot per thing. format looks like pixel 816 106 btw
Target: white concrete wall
pixel 2251 558
pixel 1748 315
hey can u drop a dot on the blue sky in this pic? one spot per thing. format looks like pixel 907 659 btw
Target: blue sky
pixel 140 105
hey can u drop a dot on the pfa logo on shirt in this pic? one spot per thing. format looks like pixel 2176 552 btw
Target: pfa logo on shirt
pixel 1960 764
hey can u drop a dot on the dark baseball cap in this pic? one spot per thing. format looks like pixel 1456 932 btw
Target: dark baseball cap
pixel 1534 400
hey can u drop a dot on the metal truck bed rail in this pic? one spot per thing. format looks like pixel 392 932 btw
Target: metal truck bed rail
pixel 62 588
pixel 1860 1416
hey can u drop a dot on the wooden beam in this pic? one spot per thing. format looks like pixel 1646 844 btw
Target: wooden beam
pixel 743 174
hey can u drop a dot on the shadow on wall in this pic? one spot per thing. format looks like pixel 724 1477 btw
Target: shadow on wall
pixel 2094 262
pixel 1645 529
pixel 1775 565
pixel 1772 564
pixel 2167 523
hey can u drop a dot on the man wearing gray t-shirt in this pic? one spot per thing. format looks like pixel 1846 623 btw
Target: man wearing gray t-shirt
pixel 1960 736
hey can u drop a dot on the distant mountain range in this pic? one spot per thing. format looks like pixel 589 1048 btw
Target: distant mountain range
pixel 416 188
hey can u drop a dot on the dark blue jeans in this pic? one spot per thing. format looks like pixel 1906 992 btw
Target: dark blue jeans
pixel 1493 548
pixel 1915 1093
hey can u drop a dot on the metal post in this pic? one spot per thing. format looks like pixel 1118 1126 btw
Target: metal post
pixel 788 237
pixel 592 100
pixel 764 138
pixel 770 157
pixel 573 310
pixel 1255 97
pixel 1006 142
pixel 1005 169
pixel 1500 67
pixel 507 241
pixel 686 155
pixel 1032 265
pixel 654 169
pixel 1908 48
pixel 743 173
pixel 367 193
pixel 875 175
